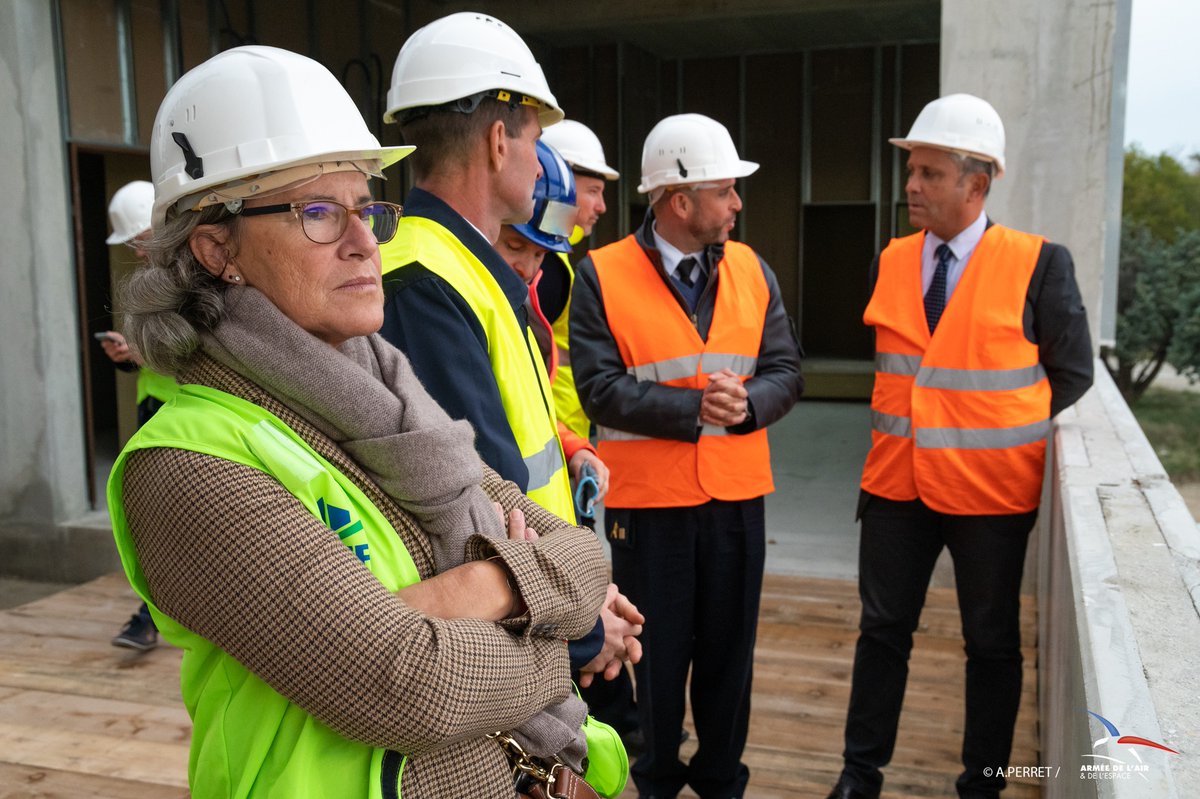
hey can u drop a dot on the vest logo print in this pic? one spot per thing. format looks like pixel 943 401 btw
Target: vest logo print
pixel 338 520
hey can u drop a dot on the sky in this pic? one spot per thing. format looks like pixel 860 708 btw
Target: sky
pixel 1162 103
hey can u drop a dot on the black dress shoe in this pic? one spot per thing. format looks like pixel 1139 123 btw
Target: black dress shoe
pixel 843 791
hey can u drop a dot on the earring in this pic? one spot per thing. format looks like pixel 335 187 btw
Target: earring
pixel 230 276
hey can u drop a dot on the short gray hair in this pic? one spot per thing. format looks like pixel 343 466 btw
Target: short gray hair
pixel 171 300
pixel 970 165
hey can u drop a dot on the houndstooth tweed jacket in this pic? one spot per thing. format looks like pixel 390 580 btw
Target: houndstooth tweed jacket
pixel 311 621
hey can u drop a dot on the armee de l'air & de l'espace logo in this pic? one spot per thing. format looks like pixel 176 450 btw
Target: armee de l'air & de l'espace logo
pixel 1117 756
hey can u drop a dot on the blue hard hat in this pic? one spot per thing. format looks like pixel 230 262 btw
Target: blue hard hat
pixel 554 203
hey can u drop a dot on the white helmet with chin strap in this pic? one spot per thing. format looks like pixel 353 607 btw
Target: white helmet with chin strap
pixel 129 211
pixel 463 58
pixel 579 147
pixel 244 122
pixel 688 149
pixel 959 123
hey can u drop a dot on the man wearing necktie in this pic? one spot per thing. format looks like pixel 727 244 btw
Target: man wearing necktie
pixel 968 377
pixel 683 354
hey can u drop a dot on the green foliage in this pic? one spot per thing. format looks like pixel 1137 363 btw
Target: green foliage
pixel 1171 420
pixel 1160 194
pixel 1147 288
pixel 1158 285
pixel 1184 352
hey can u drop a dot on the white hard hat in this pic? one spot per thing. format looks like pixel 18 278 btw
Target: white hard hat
pixel 690 148
pixel 129 211
pixel 959 123
pixel 580 147
pixel 250 111
pixel 463 55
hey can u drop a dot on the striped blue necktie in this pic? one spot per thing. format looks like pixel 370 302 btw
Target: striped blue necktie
pixel 935 297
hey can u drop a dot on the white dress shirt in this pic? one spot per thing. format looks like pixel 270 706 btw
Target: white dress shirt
pixel 961 247
pixel 672 255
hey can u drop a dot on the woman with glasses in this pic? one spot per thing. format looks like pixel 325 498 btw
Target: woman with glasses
pixel 360 601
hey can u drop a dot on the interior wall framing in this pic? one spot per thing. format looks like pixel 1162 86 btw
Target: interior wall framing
pixel 765 99
pixel 819 237
pixel 828 194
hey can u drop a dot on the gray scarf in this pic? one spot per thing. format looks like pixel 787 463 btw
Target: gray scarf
pixel 365 396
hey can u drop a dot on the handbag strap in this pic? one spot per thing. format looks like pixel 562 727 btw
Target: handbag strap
pixel 566 784
pixel 554 781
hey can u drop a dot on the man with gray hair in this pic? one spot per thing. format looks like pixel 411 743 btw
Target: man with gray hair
pixel 968 375
pixel 683 355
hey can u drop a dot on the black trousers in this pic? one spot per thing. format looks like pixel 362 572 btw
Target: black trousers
pixel 696 573
pixel 899 546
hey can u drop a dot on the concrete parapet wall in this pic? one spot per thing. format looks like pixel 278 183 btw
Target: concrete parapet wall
pixel 1118 598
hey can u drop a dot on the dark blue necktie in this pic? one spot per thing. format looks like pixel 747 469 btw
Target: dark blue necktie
pixel 935 298
pixel 689 287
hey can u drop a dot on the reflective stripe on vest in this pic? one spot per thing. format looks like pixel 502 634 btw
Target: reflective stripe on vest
pixel 658 343
pixel 958 419
pixel 982 438
pixel 959 379
pixel 612 434
pixel 246 737
pixel 685 366
pixel 517 366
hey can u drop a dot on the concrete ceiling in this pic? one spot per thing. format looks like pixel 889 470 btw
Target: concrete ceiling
pixel 705 28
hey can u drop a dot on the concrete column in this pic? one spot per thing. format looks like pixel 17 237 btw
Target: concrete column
pixel 42 471
pixel 1055 71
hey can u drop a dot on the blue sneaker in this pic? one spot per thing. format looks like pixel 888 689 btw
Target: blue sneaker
pixel 139 633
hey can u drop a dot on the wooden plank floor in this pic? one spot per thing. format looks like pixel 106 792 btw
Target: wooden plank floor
pixel 80 718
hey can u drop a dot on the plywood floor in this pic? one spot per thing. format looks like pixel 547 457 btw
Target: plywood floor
pixel 80 718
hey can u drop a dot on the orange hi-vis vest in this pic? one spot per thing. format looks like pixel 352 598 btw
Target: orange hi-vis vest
pixel 959 419
pixel 659 343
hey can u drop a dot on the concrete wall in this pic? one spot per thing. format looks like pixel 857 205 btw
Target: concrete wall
pixel 1118 599
pixel 42 475
pixel 1056 74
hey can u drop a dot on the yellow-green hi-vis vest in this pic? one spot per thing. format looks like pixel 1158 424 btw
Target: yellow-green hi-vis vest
pixel 566 399
pixel 153 384
pixel 516 363
pixel 248 741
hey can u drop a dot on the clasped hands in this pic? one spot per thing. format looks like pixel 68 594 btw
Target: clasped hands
pixel 725 402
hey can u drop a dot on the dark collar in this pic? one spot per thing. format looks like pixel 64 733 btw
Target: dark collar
pixel 422 204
